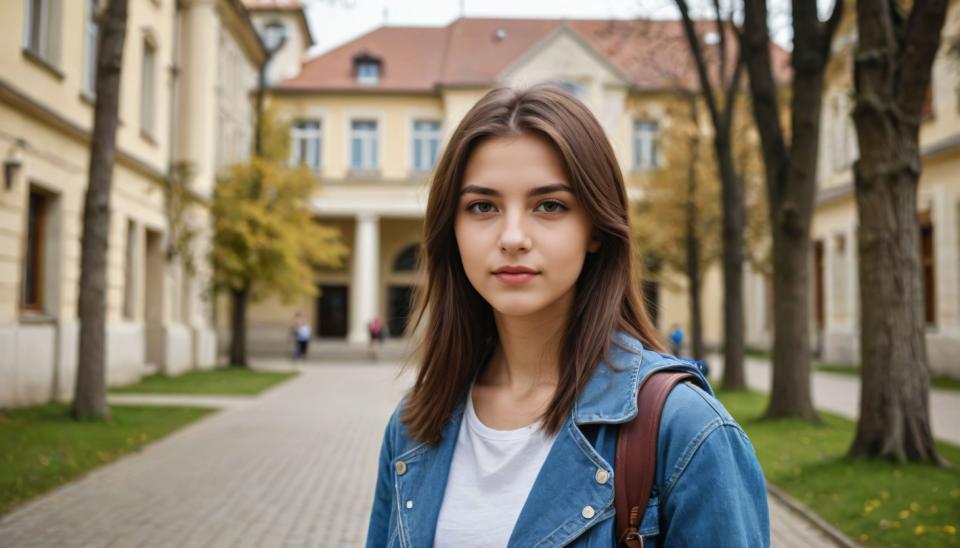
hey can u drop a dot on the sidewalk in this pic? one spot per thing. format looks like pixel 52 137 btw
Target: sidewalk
pixel 288 468
pixel 840 394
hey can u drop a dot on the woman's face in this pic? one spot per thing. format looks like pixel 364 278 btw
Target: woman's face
pixel 517 212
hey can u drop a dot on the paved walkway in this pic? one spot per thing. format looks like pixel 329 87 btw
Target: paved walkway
pixel 840 394
pixel 289 468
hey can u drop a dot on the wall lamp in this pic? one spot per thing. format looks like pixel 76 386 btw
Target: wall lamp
pixel 12 163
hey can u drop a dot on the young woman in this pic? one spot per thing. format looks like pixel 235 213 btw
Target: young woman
pixel 534 343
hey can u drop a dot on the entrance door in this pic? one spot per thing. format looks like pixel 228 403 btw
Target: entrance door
pixel 398 309
pixel 332 311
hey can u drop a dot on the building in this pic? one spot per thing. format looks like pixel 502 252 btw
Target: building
pixel 188 70
pixel 834 229
pixel 371 117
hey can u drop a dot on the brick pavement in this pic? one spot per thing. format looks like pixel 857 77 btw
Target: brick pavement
pixel 290 468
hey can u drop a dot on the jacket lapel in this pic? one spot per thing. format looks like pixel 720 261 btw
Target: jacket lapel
pixel 566 498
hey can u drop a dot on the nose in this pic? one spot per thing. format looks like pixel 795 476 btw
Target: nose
pixel 513 235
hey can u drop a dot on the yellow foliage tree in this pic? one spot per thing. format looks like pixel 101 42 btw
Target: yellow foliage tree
pixel 266 241
pixel 678 222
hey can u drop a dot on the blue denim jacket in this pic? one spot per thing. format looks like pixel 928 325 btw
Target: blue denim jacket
pixel 709 489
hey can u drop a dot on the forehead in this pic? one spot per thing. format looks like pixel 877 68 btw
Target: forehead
pixel 516 161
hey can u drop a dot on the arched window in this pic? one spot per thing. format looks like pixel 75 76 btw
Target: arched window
pixel 407 259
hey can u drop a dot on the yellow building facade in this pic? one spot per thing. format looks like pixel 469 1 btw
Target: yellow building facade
pixel 371 117
pixel 188 69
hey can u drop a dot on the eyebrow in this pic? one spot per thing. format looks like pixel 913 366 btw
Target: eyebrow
pixel 487 191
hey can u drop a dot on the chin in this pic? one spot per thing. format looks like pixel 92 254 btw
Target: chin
pixel 518 305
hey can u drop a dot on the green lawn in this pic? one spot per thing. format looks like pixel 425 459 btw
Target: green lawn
pixel 875 503
pixel 226 381
pixel 41 447
pixel 943 383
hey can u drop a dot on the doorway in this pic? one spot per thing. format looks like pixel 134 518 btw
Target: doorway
pixel 332 311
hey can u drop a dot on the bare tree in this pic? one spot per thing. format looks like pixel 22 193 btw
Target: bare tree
pixel 894 57
pixel 721 105
pixel 791 185
pixel 90 392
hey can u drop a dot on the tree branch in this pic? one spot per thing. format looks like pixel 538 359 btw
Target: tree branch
pixel 694 42
pixel 921 40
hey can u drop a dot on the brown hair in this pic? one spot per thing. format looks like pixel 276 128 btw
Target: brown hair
pixel 460 333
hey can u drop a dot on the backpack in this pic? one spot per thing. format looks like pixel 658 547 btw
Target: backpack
pixel 637 443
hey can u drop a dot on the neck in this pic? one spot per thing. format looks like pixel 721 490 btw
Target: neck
pixel 527 357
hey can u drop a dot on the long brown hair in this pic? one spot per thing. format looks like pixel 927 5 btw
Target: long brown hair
pixel 459 334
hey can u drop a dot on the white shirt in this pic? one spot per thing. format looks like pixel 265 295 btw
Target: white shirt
pixel 490 477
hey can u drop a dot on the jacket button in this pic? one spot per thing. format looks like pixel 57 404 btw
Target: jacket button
pixel 602 476
pixel 587 512
pixel 409 504
pixel 401 467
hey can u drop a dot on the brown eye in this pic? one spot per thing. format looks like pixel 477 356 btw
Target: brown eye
pixel 481 207
pixel 552 206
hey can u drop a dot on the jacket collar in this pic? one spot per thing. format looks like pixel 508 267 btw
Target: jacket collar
pixel 610 396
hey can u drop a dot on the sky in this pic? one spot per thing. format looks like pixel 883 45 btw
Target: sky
pixel 335 22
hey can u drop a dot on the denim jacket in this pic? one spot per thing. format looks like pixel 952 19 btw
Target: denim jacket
pixel 709 489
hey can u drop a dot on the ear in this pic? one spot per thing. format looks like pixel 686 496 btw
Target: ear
pixel 594 245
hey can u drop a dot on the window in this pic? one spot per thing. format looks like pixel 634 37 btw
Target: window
pixel 577 89
pixel 34 263
pixel 928 268
pixel 844 136
pixel 426 144
pixel 90 31
pixel 130 271
pixel 41 35
pixel 368 72
pixel 148 87
pixel 305 138
pixel 363 144
pixel 645 149
pixel 839 274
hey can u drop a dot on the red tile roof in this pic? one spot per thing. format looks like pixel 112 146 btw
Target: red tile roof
pixel 648 54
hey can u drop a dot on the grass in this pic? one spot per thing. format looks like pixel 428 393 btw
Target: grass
pixel 225 381
pixel 42 448
pixel 876 503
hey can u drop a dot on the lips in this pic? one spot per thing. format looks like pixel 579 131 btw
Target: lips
pixel 515 270
pixel 515 274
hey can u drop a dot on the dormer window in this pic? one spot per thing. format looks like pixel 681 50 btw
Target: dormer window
pixel 367 69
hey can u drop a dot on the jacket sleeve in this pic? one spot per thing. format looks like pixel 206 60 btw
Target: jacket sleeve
pixel 718 495
pixel 381 526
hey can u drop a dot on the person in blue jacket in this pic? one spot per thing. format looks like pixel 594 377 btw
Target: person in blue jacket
pixel 533 342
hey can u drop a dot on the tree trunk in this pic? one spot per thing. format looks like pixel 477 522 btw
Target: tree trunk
pixel 90 398
pixel 791 186
pixel 693 248
pixel 733 206
pixel 892 74
pixel 734 377
pixel 238 331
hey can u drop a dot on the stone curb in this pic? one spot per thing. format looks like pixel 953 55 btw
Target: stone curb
pixel 811 516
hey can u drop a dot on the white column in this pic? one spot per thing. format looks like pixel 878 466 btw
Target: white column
pixel 364 283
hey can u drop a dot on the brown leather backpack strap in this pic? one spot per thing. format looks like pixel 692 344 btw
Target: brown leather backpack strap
pixel 636 460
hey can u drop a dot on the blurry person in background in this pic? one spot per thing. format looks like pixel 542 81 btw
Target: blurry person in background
pixel 676 339
pixel 301 337
pixel 375 327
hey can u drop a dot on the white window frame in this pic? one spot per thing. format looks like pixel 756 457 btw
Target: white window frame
pixel 369 144
pixel 306 135
pixel 91 31
pixel 368 72
pixel 46 43
pixel 148 87
pixel 646 146
pixel 425 136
